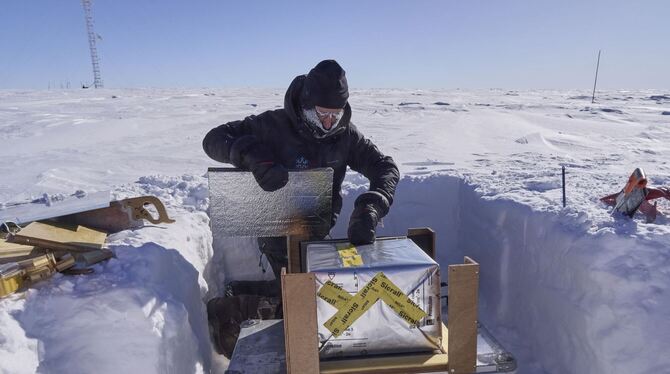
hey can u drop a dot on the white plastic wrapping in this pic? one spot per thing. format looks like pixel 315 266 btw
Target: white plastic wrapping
pixel 347 273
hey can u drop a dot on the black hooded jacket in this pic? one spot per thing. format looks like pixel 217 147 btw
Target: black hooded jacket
pixel 295 148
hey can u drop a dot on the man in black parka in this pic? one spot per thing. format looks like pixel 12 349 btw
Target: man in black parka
pixel 312 130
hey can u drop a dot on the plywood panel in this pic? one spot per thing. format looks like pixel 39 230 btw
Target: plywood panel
pixel 463 283
pixel 299 304
pixel 60 236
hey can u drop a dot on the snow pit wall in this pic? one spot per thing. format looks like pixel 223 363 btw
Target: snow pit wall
pixel 562 300
pixel 140 312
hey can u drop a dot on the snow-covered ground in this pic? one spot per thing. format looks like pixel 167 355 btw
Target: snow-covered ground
pixel 567 290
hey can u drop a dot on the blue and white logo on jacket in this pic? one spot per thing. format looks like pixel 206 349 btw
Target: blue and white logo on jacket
pixel 301 162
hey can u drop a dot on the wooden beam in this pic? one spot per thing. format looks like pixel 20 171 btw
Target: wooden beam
pixel 424 237
pixel 300 331
pixel 397 363
pixel 59 236
pixel 463 280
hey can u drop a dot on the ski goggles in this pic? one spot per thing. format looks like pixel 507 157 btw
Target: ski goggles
pixel 334 116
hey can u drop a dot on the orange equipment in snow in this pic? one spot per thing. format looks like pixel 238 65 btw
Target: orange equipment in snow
pixel 636 195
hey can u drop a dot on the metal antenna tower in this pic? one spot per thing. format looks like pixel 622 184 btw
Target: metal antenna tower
pixel 593 98
pixel 97 80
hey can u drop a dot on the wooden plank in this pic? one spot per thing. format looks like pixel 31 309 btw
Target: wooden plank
pixel 463 280
pixel 300 332
pixel 13 252
pixel 12 248
pixel 417 363
pixel 424 237
pixel 16 257
pixel 60 236
pixel 399 363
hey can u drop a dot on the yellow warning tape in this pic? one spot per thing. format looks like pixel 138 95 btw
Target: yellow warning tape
pixel 350 308
pixel 334 295
pixel 399 302
pixel 350 256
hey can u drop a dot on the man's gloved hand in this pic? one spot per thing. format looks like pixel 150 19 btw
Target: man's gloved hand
pixel 369 208
pixel 248 153
pixel 269 175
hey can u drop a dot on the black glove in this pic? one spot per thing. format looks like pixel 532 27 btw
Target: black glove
pixel 250 154
pixel 369 208
pixel 269 175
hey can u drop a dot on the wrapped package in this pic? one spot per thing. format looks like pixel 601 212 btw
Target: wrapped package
pixel 375 299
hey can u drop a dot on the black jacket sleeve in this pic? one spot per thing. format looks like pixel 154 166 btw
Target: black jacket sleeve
pixel 365 158
pixel 228 142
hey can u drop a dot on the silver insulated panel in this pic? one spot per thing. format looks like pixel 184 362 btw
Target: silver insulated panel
pixel 239 207
pixel 369 278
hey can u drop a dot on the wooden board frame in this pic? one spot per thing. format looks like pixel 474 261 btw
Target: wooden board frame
pixel 459 336
pixel 463 281
pixel 300 331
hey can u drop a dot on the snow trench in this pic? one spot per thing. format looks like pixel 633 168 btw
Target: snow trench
pixel 561 299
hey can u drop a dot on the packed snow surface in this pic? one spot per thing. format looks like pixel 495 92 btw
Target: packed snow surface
pixel 566 290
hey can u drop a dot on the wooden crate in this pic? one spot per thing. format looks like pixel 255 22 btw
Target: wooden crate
pixel 459 351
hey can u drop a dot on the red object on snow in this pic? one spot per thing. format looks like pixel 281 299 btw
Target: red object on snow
pixel 636 195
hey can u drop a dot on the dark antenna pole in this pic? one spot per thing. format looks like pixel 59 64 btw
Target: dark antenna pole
pixel 593 99
pixel 563 169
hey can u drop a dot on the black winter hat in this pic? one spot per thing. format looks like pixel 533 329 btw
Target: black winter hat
pixel 325 86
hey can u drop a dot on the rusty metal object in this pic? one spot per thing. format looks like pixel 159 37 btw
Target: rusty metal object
pixel 121 215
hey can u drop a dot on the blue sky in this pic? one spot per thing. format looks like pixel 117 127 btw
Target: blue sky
pixel 404 44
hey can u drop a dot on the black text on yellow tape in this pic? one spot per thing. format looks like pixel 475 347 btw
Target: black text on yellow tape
pixel 334 295
pixel 350 308
pixel 350 256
